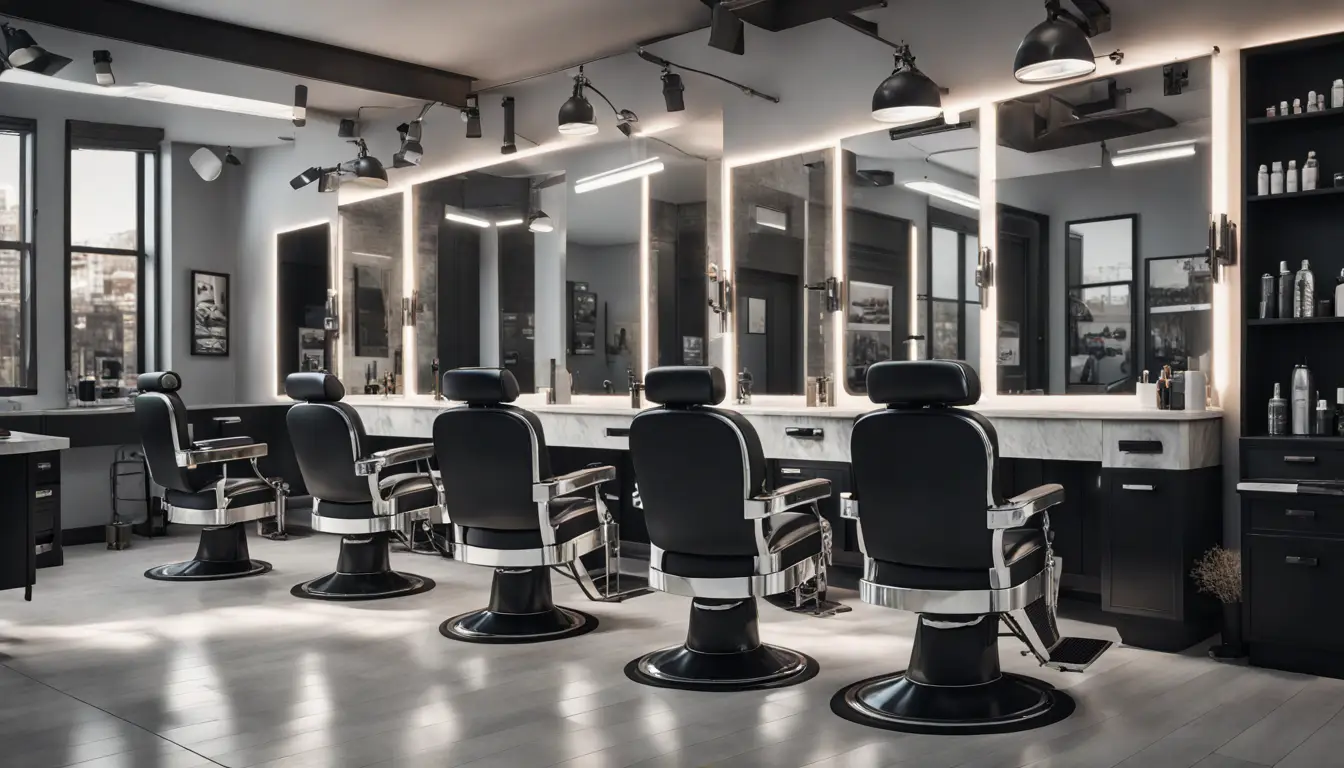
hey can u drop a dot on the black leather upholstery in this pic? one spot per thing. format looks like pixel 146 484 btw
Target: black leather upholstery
pixel 681 385
pixel 572 517
pixel 161 418
pixel 416 498
pixel 795 536
pixel 489 457
pixel 314 387
pixel 1024 552
pixel 328 438
pixel 158 381
pixel 239 492
pixel 915 383
pixel 480 386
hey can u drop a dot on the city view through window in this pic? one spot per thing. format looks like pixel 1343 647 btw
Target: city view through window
pixel 15 270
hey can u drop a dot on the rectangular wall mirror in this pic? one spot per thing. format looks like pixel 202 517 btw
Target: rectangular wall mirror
pixel 1103 206
pixel 303 274
pixel 680 239
pixel 372 265
pixel 781 230
pixel 914 187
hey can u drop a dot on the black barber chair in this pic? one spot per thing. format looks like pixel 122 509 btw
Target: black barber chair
pixel 718 537
pixel 939 540
pixel 197 487
pixel 510 514
pixel 354 493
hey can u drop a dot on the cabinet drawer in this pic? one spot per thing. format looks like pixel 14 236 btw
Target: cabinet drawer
pixel 1297 513
pixel 1303 459
pixel 1141 562
pixel 46 468
pixel 1293 590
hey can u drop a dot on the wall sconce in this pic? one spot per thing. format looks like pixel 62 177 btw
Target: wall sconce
pixel 1222 245
pixel 721 298
pixel 984 274
pixel 830 291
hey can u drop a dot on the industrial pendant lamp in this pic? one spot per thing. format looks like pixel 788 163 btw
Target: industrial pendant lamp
pixel 22 52
pixel 368 170
pixel 908 95
pixel 1056 49
pixel 576 116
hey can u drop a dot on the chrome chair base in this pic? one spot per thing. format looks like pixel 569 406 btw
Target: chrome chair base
pixel 222 554
pixel 521 610
pixel 953 686
pixel 723 652
pixel 363 572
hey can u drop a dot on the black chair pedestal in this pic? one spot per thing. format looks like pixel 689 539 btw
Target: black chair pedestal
pixel 222 554
pixel 363 572
pixel 521 610
pixel 953 686
pixel 723 652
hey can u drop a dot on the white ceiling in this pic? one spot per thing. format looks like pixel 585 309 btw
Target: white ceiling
pixel 494 41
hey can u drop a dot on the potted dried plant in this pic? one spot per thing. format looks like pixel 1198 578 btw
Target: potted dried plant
pixel 1218 573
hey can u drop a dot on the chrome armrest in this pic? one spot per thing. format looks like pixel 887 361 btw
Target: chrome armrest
pixel 227 420
pixel 216 451
pixel 564 485
pixel 786 498
pixel 392 457
pixel 1024 506
pixel 849 506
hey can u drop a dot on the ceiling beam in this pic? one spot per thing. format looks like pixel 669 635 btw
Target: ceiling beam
pixel 133 22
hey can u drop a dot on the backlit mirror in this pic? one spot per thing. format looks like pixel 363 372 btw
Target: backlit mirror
pixel 781 229
pixel 372 267
pixel 1103 191
pixel 303 269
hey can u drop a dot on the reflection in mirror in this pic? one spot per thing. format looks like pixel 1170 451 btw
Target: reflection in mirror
pixel 781 227
pixel 303 263
pixel 372 263
pixel 1085 211
pixel 679 248
pixel 917 186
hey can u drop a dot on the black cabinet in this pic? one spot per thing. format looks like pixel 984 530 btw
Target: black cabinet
pixel 30 517
pixel 44 474
pixel 845 535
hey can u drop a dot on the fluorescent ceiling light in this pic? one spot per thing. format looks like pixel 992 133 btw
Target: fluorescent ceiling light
pixel 163 94
pixel 508 223
pixel 468 220
pixel 1168 151
pixel 769 217
pixel 619 175
pixel 366 255
pixel 944 192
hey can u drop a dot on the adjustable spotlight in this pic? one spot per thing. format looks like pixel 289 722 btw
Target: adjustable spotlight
pixel 368 170
pixel 23 53
pixel 231 159
pixel 673 91
pixel 207 164
pixel 908 95
pixel 471 115
pixel 510 144
pixel 1058 48
pixel 576 115
pixel 102 68
pixel 625 120
pixel 411 152
pixel 348 129
pixel 726 31
pixel 307 177
pixel 300 106
pixel 539 222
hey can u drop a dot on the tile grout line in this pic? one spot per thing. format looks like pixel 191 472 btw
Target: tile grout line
pixel 111 714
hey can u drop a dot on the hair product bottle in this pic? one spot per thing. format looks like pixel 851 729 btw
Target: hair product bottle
pixel 1278 413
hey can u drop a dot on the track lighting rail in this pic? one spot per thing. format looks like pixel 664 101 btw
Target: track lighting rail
pixel 660 61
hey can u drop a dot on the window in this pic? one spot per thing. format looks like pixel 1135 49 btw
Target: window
pixel 18 355
pixel 112 227
pixel 953 304
pixel 1099 274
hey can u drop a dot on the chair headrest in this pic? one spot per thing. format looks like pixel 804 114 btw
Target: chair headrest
pixel 480 386
pixel 158 381
pixel 923 382
pixel 314 387
pixel 685 385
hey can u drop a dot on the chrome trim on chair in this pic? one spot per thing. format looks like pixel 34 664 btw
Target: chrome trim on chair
pixel 563 553
pixel 953 601
pixel 192 457
pixel 787 497
pixel 738 587
pixel 1024 506
pixel 563 485
pixel 392 457
pixel 219 517
pixel 849 506
pixel 354 526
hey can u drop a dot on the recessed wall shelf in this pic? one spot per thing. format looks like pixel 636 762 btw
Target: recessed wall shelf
pixel 1295 321
pixel 1324 116
pixel 1322 192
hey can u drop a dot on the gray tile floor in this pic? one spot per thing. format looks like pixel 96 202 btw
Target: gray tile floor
pixel 106 669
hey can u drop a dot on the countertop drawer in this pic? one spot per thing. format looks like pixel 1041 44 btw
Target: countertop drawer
pixel 46 468
pixel 1293 590
pixel 1296 514
pixel 1300 459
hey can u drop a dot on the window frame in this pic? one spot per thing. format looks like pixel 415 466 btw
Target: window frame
pixel 144 142
pixel 26 245
pixel 963 227
pixel 1135 356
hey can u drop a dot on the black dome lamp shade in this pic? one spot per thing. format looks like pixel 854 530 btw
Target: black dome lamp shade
pixel 368 170
pixel 1056 49
pixel 22 52
pixel 576 115
pixel 908 95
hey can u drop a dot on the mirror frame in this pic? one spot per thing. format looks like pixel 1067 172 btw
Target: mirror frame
pixel 332 284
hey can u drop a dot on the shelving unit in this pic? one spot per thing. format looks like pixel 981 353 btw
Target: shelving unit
pixel 1323 192
pixel 1323 116
pixel 1288 322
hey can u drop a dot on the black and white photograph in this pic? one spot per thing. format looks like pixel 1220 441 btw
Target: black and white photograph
pixel 312 349
pixel 209 313
pixel 869 306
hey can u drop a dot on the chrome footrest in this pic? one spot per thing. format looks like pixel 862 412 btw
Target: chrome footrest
pixel 1075 654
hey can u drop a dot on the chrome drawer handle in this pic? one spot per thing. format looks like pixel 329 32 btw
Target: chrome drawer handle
pixel 1299 459
pixel 1299 513
pixel 44 494
pixel 790 471
pixel 1305 562
pixel 43 466
pixel 1127 487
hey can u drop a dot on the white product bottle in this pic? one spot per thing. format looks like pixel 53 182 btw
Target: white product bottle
pixel 1311 101
pixel 1339 296
pixel 1276 179
pixel 1262 181
pixel 1290 182
pixel 1320 102
pixel 1283 109
pixel 1310 173
pixel 1337 95
pixel 1297 106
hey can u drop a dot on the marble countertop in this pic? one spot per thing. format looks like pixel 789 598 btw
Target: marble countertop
pixel 26 442
pixel 127 408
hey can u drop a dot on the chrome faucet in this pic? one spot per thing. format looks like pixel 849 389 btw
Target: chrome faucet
pixel 744 382
pixel 636 389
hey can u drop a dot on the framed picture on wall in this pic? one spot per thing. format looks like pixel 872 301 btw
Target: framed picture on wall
pixel 209 313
